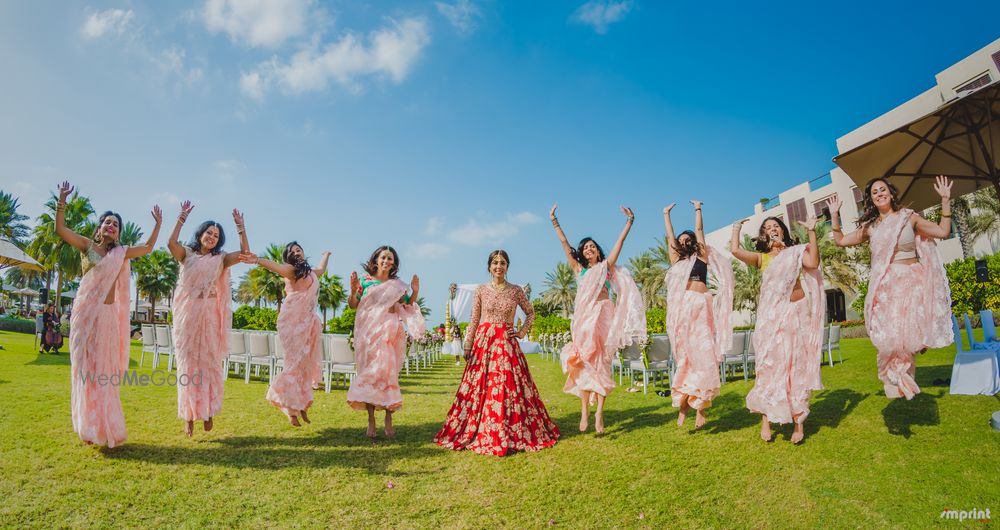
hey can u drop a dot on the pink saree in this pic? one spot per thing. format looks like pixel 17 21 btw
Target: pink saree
pixel 699 328
pixel 788 339
pixel 299 329
pixel 600 328
pixel 380 344
pixel 98 347
pixel 908 307
pixel 202 320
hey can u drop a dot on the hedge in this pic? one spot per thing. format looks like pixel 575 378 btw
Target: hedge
pixel 250 317
pixel 17 325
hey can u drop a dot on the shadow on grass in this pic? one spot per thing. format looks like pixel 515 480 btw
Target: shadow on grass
pixel 48 359
pixel 901 415
pixel 939 375
pixel 4 381
pixel 332 447
pixel 617 422
pixel 731 414
pixel 831 407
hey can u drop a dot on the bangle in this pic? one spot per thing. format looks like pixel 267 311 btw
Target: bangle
pixel 835 229
pixel 946 216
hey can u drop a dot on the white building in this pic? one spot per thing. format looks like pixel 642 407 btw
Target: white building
pixel 808 199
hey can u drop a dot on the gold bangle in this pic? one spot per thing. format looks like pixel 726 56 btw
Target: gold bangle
pixel 946 216
pixel 835 228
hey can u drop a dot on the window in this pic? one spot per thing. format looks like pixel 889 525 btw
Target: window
pixel 819 207
pixel 796 211
pixel 996 59
pixel 859 198
pixel 980 81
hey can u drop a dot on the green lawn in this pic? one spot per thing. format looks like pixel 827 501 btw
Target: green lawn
pixel 866 461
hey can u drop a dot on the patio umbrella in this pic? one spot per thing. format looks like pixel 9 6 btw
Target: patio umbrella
pixel 11 256
pixel 961 139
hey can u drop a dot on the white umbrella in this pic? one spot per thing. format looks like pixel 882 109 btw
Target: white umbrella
pixel 11 256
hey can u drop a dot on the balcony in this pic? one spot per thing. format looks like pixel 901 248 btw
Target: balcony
pixel 820 181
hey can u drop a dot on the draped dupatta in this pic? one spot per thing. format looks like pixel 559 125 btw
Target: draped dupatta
pixel 628 324
pixel 776 288
pixel 721 271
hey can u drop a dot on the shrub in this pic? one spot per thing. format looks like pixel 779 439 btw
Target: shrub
pixel 968 296
pixel 550 324
pixel 344 324
pixel 656 320
pixel 250 317
pixel 17 325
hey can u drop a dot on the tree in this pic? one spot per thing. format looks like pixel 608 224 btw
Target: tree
pixel 650 277
pixel 985 216
pixel 50 250
pixel 331 294
pixel 560 289
pixel 746 291
pixel 841 268
pixel 248 292
pixel 269 285
pixel 12 227
pixel 156 276
pixel 424 310
pixel 130 235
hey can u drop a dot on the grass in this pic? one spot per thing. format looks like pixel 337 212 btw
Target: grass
pixel 866 461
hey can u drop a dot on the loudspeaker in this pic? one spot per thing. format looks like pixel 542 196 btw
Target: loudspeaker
pixel 43 296
pixel 982 273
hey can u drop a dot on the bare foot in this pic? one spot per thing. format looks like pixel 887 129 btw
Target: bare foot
pixel 389 431
pixel 189 429
pixel 798 434
pixel 294 420
pixel 765 431
pixel 584 423
pixel 371 430
pixel 208 424
pixel 682 414
pixel 699 419
pixel 599 422
pixel 305 417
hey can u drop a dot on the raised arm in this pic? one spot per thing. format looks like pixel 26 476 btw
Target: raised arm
pixel 811 259
pixel 177 250
pixel 355 296
pixel 470 334
pixel 75 240
pixel 567 249
pixel 281 269
pixel 750 258
pixel 942 229
pixel 321 270
pixel 142 250
pixel 699 231
pixel 233 258
pixel 414 291
pixel 617 250
pixel 854 238
pixel 668 227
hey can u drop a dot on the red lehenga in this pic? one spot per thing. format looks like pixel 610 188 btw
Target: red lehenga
pixel 497 409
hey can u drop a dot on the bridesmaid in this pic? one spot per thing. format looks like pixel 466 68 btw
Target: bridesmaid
pixel 788 334
pixel 497 409
pixel 600 327
pixel 202 317
pixel 379 335
pixel 906 274
pixel 99 325
pixel 299 330
pixel 697 322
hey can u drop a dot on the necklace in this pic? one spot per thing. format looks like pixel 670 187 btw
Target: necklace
pixel 500 287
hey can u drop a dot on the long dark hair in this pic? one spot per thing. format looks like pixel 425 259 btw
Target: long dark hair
pixel 196 242
pixel 371 267
pixel 495 253
pixel 763 242
pixel 99 239
pixel 578 252
pixel 301 265
pixel 691 248
pixel 869 213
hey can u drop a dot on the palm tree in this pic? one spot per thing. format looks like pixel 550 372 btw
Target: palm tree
pixel 331 294
pixel 130 235
pixel 650 276
pixel 424 310
pixel 840 266
pixel 269 284
pixel 248 292
pixel 985 217
pixel 560 288
pixel 12 227
pixel 747 282
pixel 50 250
pixel 156 275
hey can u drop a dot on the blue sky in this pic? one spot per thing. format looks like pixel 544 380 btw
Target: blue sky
pixel 448 128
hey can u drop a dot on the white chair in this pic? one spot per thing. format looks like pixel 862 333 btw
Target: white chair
pixel 974 372
pixel 750 368
pixel 260 354
pixel 148 343
pixel 659 355
pixel 825 345
pixel 238 354
pixel 164 346
pixel 735 356
pixel 277 354
pixel 633 361
pixel 834 344
pixel 341 357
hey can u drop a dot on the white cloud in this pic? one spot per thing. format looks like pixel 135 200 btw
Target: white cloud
pixel 391 52
pixel 434 225
pixel 258 23
pixel 430 250
pixel 112 20
pixel 599 14
pixel 476 233
pixel 165 197
pixel 462 14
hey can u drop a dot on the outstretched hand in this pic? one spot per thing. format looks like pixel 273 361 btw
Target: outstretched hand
pixel 186 208
pixel 415 284
pixel 696 204
pixel 942 185
pixel 833 204
pixel 238 217
pixel 667 208
pixel 628 212
pixel 355 283
pixel 738 225
pixel 552 212
pixel 157 214
pixel 65 189
pixel 249 258
pixel 809 224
